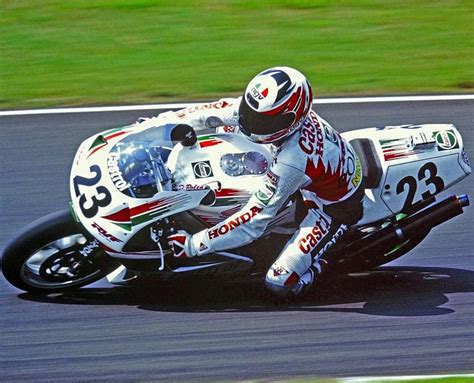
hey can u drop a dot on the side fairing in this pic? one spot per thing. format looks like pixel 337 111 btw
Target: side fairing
pixel 417 162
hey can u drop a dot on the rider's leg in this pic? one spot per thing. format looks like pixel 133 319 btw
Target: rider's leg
pixel 295 267
pixel 301 259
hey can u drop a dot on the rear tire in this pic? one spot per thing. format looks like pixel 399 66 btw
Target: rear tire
pixel 40 257
pixel 396 252
pixel 380 257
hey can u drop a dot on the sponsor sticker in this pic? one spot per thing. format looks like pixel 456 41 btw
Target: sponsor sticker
pixel 232 224
pixel 257 94
pixel 267 191
pixel 190 187
pixel 358 174
pixel 198 108
pixel 202 169
pixel 311 239
pixel 89 248
pixel 229 129
pixel 109 237
pixel 115 173
pixel 340 231
pixel 331 134
pixel 279 270
pixel 312 137
pixel 446 140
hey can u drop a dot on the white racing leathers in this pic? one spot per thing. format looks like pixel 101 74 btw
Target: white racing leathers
pixel 315 160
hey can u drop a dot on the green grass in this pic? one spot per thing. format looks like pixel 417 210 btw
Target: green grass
pixel 58 53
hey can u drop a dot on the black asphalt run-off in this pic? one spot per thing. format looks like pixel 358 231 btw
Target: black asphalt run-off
pixel 413 317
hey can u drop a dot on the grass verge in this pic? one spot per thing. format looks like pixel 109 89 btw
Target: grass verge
pixel 66 53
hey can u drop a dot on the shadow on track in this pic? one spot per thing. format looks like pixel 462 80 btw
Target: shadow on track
pixel 389 291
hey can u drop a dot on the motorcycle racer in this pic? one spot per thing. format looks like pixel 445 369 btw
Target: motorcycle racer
pixel 309 156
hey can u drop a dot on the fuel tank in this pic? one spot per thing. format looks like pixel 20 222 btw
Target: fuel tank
pixel 229 165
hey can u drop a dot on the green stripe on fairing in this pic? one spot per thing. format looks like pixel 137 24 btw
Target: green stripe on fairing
pixel 388 141
pixel 204 138
pixel 141 219
pixel 100 140
pixel 114 130
pixel 125 226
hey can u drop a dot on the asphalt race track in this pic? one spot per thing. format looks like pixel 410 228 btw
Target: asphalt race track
pixel 414 317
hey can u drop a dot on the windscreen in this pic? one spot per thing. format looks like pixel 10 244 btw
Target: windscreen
pixel 137 163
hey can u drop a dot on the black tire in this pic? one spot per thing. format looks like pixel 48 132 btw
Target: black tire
pixel 41 236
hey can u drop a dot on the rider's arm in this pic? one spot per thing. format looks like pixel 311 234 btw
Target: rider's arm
pixel 249 223
pixel 203 116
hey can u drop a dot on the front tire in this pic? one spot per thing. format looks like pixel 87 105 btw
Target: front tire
pixel 41 258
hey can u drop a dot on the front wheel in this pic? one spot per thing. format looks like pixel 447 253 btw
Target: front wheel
pixel 54 254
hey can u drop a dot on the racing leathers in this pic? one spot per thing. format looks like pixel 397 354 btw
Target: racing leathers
pixel 314 160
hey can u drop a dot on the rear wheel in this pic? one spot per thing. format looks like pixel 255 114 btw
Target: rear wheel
pixel 378 257
pixel 385 256
pixel 54 254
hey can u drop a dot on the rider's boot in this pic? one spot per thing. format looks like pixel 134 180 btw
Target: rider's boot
pixel 309 277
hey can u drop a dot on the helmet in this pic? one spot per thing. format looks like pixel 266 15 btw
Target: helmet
pixel 274 104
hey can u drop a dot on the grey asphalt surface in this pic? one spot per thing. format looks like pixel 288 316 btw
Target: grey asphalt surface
pixel 413 317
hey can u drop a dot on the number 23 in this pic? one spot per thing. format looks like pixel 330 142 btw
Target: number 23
pixel 428 172
pixel 102 198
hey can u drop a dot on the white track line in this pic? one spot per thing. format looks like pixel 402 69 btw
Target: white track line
pixel 402 378
pixel 348 100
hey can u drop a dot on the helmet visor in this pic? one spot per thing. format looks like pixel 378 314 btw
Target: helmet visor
pixel 260 125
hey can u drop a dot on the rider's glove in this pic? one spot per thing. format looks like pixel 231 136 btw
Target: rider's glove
pixel 180 245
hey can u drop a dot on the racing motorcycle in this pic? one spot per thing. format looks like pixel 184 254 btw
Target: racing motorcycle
pixel 133 186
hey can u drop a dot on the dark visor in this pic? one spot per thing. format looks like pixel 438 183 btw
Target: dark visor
pixel 252 122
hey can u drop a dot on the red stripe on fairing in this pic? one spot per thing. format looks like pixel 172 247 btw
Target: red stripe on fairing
pixel 230 193
pixel 134 211
pixel 395 156
pixel 395 148
pixel 150 206
pixel 97 149
pixel 120 216
pixel 114 135
pixel 206 144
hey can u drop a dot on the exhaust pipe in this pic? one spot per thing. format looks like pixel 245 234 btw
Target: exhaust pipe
pixel 400 231
pixel 464 200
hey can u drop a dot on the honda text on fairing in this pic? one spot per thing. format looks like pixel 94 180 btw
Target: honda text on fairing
pixel 132 187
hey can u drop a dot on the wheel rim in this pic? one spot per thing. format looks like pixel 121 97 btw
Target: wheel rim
pixel 48 267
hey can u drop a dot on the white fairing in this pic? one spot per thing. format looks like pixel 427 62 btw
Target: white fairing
pixel 417 162
pixel 98 188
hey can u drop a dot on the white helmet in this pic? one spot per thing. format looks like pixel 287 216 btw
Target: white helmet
pixel 274 104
